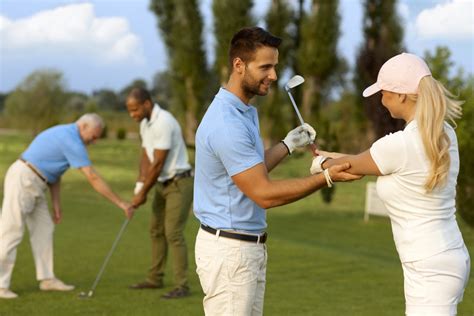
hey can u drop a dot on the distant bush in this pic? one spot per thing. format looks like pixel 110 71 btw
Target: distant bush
pixel 121 133
pixel 105 132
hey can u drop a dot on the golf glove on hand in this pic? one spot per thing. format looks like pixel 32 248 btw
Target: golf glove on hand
pixel 317 165
pixel 299 137
pixel 138 187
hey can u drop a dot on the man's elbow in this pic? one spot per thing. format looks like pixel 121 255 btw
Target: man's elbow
pixel 265 203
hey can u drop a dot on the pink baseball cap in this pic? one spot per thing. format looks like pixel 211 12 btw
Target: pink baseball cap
pixel 401 74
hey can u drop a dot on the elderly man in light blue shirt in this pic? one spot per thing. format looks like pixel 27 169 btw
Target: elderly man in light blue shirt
pixel 232 187
pixel 40 167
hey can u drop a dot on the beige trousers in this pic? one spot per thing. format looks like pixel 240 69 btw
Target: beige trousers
pixel 232 275
pixel 24 203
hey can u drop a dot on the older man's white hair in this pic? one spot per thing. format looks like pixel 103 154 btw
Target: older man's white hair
pixel 91 119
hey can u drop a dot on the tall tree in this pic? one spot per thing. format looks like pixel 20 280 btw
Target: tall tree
pixel 318 57
pixel 276 112
pixel 181 27
pixel 465 131
pixel 229 17
pixel 107 99
pixel 161 88
pixel 38 101
pixel 441 65
pixel 383 40
pixel 293 54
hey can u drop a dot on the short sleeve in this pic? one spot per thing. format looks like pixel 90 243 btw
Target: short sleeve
pixel 389 153
pixel 236 148
pixel 77 156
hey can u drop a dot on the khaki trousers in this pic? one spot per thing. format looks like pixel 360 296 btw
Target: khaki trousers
pixel 24 203
pixel 170 211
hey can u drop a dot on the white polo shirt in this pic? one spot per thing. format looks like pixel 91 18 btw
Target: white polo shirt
pixel 423 224
pixel 163 132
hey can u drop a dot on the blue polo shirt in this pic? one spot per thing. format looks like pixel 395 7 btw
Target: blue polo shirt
pixel 227 143
pixel 56 149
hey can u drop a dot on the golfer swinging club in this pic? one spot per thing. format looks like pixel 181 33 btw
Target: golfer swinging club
pixel 417 170
pixel 232 187
pixel 41 166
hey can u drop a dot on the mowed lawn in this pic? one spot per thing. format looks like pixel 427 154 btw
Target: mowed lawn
pixel 323 259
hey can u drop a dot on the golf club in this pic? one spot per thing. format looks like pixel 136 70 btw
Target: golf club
pixel 293 82
pixel 89 294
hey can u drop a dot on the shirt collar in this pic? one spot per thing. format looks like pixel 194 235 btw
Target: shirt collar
pixel 232 99
pixel 154 113
pixel 411 125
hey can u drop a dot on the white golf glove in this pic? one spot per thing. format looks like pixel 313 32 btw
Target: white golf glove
pixel 299 137
pixel 317 165
pixel 138 187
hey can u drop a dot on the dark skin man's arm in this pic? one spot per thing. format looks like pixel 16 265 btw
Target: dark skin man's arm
pixel 149 172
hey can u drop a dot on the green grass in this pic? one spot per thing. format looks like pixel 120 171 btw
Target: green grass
pixel 323 259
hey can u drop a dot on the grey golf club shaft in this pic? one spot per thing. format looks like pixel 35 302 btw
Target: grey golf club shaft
pixel 114 245
pixel 312 145
pixel 296 108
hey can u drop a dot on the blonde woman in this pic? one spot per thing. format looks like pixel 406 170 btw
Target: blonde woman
pixel 417 169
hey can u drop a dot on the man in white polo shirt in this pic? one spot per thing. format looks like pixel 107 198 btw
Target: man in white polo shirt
pixel 164 162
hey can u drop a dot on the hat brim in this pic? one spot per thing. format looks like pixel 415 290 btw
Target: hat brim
pixel 371 90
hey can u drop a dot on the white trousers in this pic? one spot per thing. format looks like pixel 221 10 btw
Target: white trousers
pixel 232 275
pixel 434 286
pixel 24 202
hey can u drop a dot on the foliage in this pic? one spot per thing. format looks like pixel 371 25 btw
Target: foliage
pixel 346 130
pixel 121 133
pixel 441 65
pixel 229 17
pixel 38 101
pixel 275 112
pixel 465 131
pixel 105 132
pixel 318 57
pixel 76 101
pixel 161 88
pixel 107 99
pixel 181 27
pixel 3 97
pixel 383 35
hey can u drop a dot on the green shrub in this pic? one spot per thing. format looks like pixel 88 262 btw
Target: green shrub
pixel 121 133
pixel 105 132
pixel 465 132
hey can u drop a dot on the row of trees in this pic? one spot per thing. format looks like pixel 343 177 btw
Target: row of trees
pixel 328 100
pixel 310 38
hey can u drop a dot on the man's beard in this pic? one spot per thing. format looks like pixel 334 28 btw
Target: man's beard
pixel 250 87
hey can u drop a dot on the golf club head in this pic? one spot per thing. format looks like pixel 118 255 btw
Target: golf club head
pixel 293 82
pixel 84 295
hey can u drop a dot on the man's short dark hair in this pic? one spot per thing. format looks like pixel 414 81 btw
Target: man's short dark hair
pixel 246 41
pixel 140 94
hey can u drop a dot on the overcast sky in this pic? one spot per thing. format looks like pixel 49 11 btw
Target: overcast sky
pixel 108 43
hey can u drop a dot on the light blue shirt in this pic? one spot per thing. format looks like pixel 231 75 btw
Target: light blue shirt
pixel 56 149
pixel 227 143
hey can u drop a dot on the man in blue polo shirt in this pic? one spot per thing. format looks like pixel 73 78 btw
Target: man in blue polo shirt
pixel 232 187
pixel 41 166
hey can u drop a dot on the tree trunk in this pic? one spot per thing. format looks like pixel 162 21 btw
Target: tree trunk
pixel 191 107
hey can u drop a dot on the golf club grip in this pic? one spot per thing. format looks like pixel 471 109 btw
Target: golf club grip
pixel 313 149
